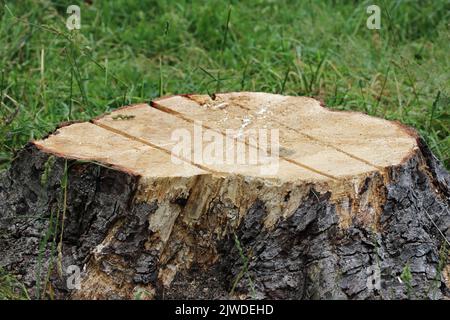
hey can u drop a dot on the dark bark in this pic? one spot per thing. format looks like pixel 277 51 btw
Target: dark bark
pixel 97 197
pixel 306 256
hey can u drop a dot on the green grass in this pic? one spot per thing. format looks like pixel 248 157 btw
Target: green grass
pixel 133 51
pixel 244 271
pixel 11 288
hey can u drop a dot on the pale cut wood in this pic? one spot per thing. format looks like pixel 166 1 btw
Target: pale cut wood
pixel 88 142
pixel 354 198
pixel 313 141
pixel 373 140
pixel 306 156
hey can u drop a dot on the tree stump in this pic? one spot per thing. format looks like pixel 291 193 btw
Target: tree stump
pixel 358 207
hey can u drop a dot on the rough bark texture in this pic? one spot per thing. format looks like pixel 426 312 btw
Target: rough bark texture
pixel 306 256
pixel 32 208
pixel 187 237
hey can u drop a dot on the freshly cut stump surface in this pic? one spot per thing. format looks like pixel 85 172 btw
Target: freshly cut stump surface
pixel 356 203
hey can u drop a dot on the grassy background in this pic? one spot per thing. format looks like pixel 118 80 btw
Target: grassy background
pixel 131 51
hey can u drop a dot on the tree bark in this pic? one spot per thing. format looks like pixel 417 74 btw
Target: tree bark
pixel 371 226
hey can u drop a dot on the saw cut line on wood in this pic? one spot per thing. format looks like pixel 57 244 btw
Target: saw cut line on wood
pixel 352 203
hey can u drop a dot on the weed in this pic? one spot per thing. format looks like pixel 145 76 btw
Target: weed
pixel 47 170
pixel 123 117
pixel 11 288
pixel 406 277
pixel 244 270
pixel 443 261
